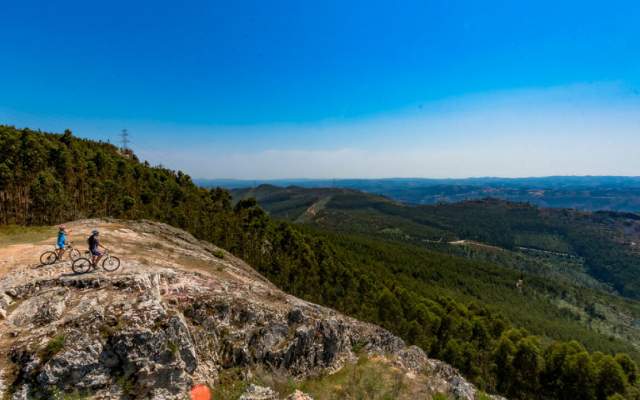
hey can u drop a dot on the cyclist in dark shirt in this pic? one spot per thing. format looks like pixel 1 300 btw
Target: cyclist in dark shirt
pixel 94 247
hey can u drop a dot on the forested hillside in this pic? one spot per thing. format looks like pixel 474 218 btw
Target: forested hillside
pixel 609 242
pixel 50 178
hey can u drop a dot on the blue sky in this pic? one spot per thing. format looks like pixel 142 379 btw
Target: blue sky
pixel 283 89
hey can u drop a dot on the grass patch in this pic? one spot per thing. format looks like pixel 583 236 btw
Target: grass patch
pixel 195 263
pixel 358 346
pixel 11 372
pixel 126 383
pixel 53 347
pixel 367 379
pixel 218 253
pixel 112 327
pixel 57 394
pixel 173 348
pixel 15 234
pixel 230 385
pixel 277 380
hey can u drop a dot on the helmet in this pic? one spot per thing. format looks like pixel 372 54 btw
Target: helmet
pixel 94 232
pixel 62 227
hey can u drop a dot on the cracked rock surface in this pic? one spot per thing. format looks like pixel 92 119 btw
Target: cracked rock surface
pixel 173 316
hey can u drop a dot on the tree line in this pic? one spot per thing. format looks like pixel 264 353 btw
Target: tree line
pixel 50 178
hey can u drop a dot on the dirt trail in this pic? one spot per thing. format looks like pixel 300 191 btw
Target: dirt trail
pixel 314 210
pixel 143 248
pixel 21 262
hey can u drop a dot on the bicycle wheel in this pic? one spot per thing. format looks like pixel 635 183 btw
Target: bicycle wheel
pixel 48 257
pixel 74 254
pixel 81 266
pixel 111 263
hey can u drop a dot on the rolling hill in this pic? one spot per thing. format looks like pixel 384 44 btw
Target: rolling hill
pixel 588 193
pixel 606 243
pixel 580 269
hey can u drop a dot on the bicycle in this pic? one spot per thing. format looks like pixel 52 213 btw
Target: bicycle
pixel 51 256
pixel 83 264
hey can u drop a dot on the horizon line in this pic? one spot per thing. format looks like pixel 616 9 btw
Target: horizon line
pixel 416 178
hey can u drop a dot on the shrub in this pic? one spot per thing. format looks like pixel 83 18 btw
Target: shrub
pixel 52 348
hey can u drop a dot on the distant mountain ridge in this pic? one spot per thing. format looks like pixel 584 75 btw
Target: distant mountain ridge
pixel 539 182
pixel 590 193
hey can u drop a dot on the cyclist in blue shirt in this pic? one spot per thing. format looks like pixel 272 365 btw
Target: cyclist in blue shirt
pixel 61 241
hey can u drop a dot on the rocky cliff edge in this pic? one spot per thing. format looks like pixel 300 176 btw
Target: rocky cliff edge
pixel 178 313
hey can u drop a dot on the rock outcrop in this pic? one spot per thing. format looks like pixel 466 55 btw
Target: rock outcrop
pixel 175 315
pixel 255 392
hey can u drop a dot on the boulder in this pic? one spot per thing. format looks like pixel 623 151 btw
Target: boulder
pixel 298 395
pixel 255 392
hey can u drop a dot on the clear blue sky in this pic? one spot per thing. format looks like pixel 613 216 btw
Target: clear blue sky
pixel 272 89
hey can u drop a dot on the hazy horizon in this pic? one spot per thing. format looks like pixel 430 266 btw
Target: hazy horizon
pixel 269 91
pixel 418 178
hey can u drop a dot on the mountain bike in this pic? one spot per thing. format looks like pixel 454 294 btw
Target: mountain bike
pixel 51 256
pixel 83 264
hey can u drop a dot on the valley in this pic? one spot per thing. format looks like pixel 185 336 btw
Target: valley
pixel 495 238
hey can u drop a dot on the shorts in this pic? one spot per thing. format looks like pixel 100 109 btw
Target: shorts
pixel 95 253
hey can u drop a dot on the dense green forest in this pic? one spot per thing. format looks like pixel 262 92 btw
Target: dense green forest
pixel 602 239
pixel 424 296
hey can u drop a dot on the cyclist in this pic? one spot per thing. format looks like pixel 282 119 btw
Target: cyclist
pixel 62 241
pixel 94 247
